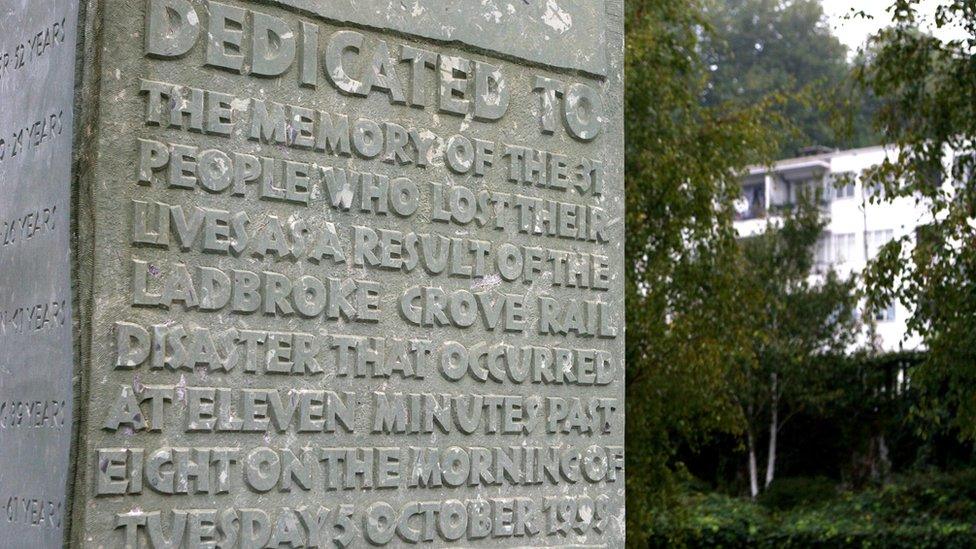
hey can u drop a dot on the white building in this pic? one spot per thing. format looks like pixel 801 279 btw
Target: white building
pixel 856 228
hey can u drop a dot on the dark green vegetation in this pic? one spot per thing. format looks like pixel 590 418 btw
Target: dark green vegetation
pixel 784 51
pixel 747 424
pixel 926 510
pixel 929 87
pixel 682 160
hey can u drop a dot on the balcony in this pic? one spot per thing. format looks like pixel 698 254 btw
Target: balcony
pixel 817 191
pixel 770 192
pixel 752 203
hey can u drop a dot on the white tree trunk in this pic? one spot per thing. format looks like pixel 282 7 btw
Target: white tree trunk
pixel 773 430
pixel 753 469
pixel 884 461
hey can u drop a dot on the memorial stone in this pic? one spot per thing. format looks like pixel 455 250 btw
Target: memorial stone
pixel 346 273
pixel 37 83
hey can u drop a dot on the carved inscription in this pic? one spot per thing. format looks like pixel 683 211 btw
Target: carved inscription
pixel 31 137
pixel 33 317
pixel 32 48
pixel 360 290
pixel 33 511
pixel 23 228
pixel 32 414
pixel 37 79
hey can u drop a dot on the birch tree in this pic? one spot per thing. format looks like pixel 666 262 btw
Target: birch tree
pixel 926 85
pixel 683 331
pixel 795 320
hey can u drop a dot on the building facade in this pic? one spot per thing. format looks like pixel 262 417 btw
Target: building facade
pixel 855 229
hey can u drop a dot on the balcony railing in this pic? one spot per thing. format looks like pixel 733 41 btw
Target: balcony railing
pixel 754 211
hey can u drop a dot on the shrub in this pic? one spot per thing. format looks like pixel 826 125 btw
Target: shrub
pixel 787 493
pixel 920 511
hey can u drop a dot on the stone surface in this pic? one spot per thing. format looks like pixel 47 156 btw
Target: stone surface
pixel 566 34
pixel 37 55
pixel 351 274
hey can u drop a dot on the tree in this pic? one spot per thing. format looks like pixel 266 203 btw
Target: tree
pixel 926 89
pixel 683 163
pixel 784 49
pixel 795 320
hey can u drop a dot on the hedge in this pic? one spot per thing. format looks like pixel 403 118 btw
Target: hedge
pixel 922 511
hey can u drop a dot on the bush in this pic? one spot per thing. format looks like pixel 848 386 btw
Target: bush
pixel 920 511
pixel 787 493
pixel 712 520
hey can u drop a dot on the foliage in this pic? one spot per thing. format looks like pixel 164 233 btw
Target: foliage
pixel 923 510
pixel 789 492
pixel 761 49
pixel 711 319
pixel 683 160
pixel 869 416
pixel 793 322
pixel 927 87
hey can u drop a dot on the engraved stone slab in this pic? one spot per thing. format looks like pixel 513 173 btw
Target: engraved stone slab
pixel 37 54
pixel 567 34
pixel 356 276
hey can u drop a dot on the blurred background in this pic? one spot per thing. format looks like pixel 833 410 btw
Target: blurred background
pixel 801 240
